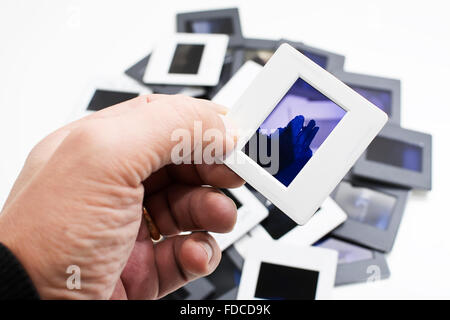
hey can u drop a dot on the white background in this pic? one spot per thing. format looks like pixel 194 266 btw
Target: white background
pixel 50 49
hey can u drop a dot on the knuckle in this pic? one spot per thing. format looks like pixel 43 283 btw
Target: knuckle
pixel 44 149
pixel 223 208
pixel 36 156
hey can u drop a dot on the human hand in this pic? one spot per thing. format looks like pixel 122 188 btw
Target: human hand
pixel 78 201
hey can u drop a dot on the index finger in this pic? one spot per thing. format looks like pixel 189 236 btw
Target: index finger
pixel 215 175
pixel 172 129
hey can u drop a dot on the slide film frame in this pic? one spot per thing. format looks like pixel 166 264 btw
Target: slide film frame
pixel 372 269
pixel 335 62
pixel 395 175
pixel 285 67
pixel 323 261
pixel 207 69
pixel 371 236
pixel 376 83
pixel 236 38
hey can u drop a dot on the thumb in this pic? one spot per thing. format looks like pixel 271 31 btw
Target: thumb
pixel 159 130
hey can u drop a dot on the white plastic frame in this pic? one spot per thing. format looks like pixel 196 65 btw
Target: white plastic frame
pixel 211 62
pixel 249 215
pixel 357 271
pixel 236 38
pixel 335 156
pixel 137 71
pixel 321 260
pixel 235 87
pixel 328 218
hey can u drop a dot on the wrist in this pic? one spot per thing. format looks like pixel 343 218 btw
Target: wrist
pixel 15 282
pixel 21 246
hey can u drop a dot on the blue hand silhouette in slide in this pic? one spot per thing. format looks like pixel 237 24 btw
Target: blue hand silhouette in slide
pixel 297 126
pixel 294 147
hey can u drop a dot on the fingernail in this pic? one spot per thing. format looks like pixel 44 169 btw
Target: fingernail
pixel 208 249
pixel 221 109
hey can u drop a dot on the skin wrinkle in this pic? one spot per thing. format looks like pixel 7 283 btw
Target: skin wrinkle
pixel 178 265
pixel 123 196
pixel 113 213
pixel 170 202
pixel 90 276
pixel 179 210
pixel 157 199
pixel 111 218
pixel 90 239
pixel 160 179
pixel 105 253
pixel 106 271
pixel 131 170
pixel 122 294
pixel 73 230
pixel 125 174
pixel 221 211
pixel 153 161
pixel 101 257
pixel 134 266
pixel 76 238
pixel 193 218
pixel 157 251
pixel 230 202
pixel 84 160
pixel 170 207
pixel 124 168
pixel 117 198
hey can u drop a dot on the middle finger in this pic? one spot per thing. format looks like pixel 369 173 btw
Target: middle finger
pixel 181 207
